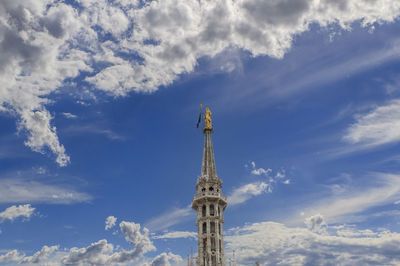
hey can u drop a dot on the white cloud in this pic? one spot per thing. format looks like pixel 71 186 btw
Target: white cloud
pixel 40 255
pixel 12 255
pixel 34 64
pixel 267 173
pixel 69 115
pixel 110 222
pixel 101 252
pixel 165 259
pixel 353 232
pixel 245 192
pixel 275 244
pixel 16 190
pixel 95 253
pixel 261 171
pixel 379 126
pixel 170 218
pixel 45 42
pixel 176 234
pixel 14 212
pixel 41 134
pixel 134 236
pixel 281 174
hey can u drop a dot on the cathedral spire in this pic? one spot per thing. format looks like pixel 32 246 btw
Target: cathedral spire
pixel 210 204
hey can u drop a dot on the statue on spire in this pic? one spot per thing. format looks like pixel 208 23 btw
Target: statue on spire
pixel 207 119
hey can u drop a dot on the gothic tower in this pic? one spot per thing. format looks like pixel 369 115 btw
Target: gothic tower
pixel 210 203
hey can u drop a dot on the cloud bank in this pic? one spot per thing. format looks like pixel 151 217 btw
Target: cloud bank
pixel 100 252
pixel 276 244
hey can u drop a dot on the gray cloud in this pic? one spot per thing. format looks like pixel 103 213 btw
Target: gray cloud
pixel 285 12
pixel 316 223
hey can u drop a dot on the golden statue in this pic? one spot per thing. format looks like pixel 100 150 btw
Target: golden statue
pixel 207 119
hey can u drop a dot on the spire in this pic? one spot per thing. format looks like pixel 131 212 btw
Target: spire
pixel 208 166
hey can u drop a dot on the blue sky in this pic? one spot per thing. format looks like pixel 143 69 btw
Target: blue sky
pixel 99 151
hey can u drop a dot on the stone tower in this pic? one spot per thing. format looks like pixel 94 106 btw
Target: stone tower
pixel 210 203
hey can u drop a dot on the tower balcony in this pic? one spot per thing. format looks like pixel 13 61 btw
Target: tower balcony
pixel 209 195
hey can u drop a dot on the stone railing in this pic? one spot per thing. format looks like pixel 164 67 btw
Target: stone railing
pixel 210 194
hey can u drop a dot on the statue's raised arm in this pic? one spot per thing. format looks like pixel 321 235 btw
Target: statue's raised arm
pixel 207 119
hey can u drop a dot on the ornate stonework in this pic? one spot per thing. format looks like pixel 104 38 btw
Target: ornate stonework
pixel 210 203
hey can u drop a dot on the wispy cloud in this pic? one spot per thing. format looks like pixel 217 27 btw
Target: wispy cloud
pixel 94 129
pixel 176 234
pixel 170 218
pixel 377 127
pixel 261 171
pixel 372 129
pixel 271 177
pixel 18 190
pixel 69 115
pixel 346 202
pixel 246 192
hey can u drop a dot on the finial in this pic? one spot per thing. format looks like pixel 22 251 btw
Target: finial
pixel 207 119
